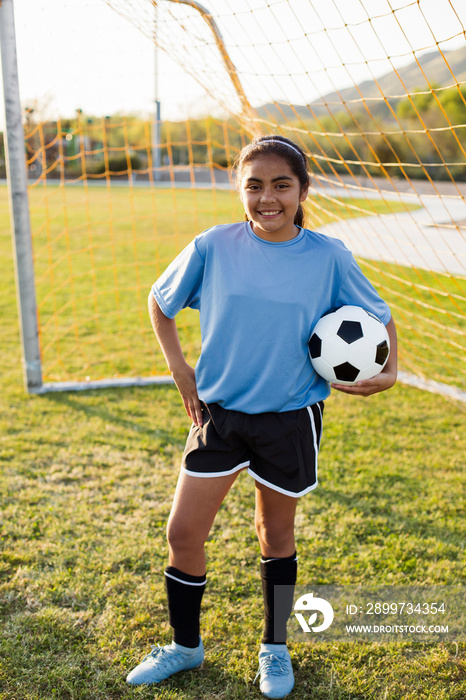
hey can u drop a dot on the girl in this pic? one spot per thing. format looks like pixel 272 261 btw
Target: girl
pixel 254 399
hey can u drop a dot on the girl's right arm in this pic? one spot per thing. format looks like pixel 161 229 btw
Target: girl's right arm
pixel 182 373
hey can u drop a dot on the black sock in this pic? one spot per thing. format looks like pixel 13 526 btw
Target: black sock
pixel 184 593
pixel 277 607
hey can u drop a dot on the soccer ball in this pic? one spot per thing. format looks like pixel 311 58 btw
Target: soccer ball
pixel 349 344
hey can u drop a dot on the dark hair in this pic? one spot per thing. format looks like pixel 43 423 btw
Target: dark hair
pixel 284 148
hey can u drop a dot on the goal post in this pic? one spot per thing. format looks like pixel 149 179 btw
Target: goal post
pixel 19 204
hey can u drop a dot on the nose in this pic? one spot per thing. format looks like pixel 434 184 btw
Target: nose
pixel 268 195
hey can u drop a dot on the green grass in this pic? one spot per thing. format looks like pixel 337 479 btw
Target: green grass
pixel 86 483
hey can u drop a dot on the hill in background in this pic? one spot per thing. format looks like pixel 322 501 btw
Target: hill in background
pixel 432 69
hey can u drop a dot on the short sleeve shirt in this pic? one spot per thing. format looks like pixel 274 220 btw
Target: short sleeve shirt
pixel 258 303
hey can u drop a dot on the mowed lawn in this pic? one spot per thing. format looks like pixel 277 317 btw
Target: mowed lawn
pixel 86 483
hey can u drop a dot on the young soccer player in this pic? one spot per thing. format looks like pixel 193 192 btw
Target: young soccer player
pixel 255 401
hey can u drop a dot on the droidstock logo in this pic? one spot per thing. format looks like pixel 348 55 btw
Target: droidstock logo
pixel 307 603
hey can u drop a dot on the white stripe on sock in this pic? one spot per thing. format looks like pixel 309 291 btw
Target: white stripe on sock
pixel 265 561
pixel 188 583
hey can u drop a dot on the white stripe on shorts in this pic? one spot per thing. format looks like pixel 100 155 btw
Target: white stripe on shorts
pixel 279 489
pixel 314 435
pixel 208 475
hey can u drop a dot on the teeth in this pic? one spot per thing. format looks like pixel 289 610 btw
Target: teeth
pixel 269 213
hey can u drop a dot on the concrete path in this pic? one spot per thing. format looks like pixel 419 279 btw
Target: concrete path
pixel 432 237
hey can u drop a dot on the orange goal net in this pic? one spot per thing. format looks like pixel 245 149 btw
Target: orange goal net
pixel 375 93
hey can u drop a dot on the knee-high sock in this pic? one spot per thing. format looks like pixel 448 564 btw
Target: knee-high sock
pixel 277 604
pixel 184 593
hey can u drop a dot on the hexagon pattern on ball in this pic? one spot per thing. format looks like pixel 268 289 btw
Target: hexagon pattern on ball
pixel 349 344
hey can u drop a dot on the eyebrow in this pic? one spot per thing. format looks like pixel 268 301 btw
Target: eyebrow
pixel 275 179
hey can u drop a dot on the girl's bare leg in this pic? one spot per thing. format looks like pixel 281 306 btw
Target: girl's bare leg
pixel 275 514
pixel 195 505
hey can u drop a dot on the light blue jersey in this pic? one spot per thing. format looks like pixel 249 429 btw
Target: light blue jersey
pixel 258 303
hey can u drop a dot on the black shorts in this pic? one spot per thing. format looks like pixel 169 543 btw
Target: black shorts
pixel 279 450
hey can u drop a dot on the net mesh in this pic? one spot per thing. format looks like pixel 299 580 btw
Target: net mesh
pixel 374 92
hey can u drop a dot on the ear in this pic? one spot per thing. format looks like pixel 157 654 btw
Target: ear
pixel 304 193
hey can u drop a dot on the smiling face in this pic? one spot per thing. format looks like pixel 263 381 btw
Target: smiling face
pixel 271 194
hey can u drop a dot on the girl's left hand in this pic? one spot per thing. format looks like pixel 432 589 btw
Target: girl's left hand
pixel 367 387
pixel 381 382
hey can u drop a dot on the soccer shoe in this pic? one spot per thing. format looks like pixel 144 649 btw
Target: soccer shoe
pixel 275 671
pixel 163 662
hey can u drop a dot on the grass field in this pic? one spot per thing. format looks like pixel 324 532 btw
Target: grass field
pixel 86 483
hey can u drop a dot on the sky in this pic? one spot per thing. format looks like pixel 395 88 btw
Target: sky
pixel 83 54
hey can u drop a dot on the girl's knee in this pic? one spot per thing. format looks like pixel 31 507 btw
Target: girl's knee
pixel 182 535
pixel 276 537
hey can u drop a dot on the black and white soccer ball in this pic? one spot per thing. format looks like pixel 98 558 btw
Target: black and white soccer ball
pixel 349 344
